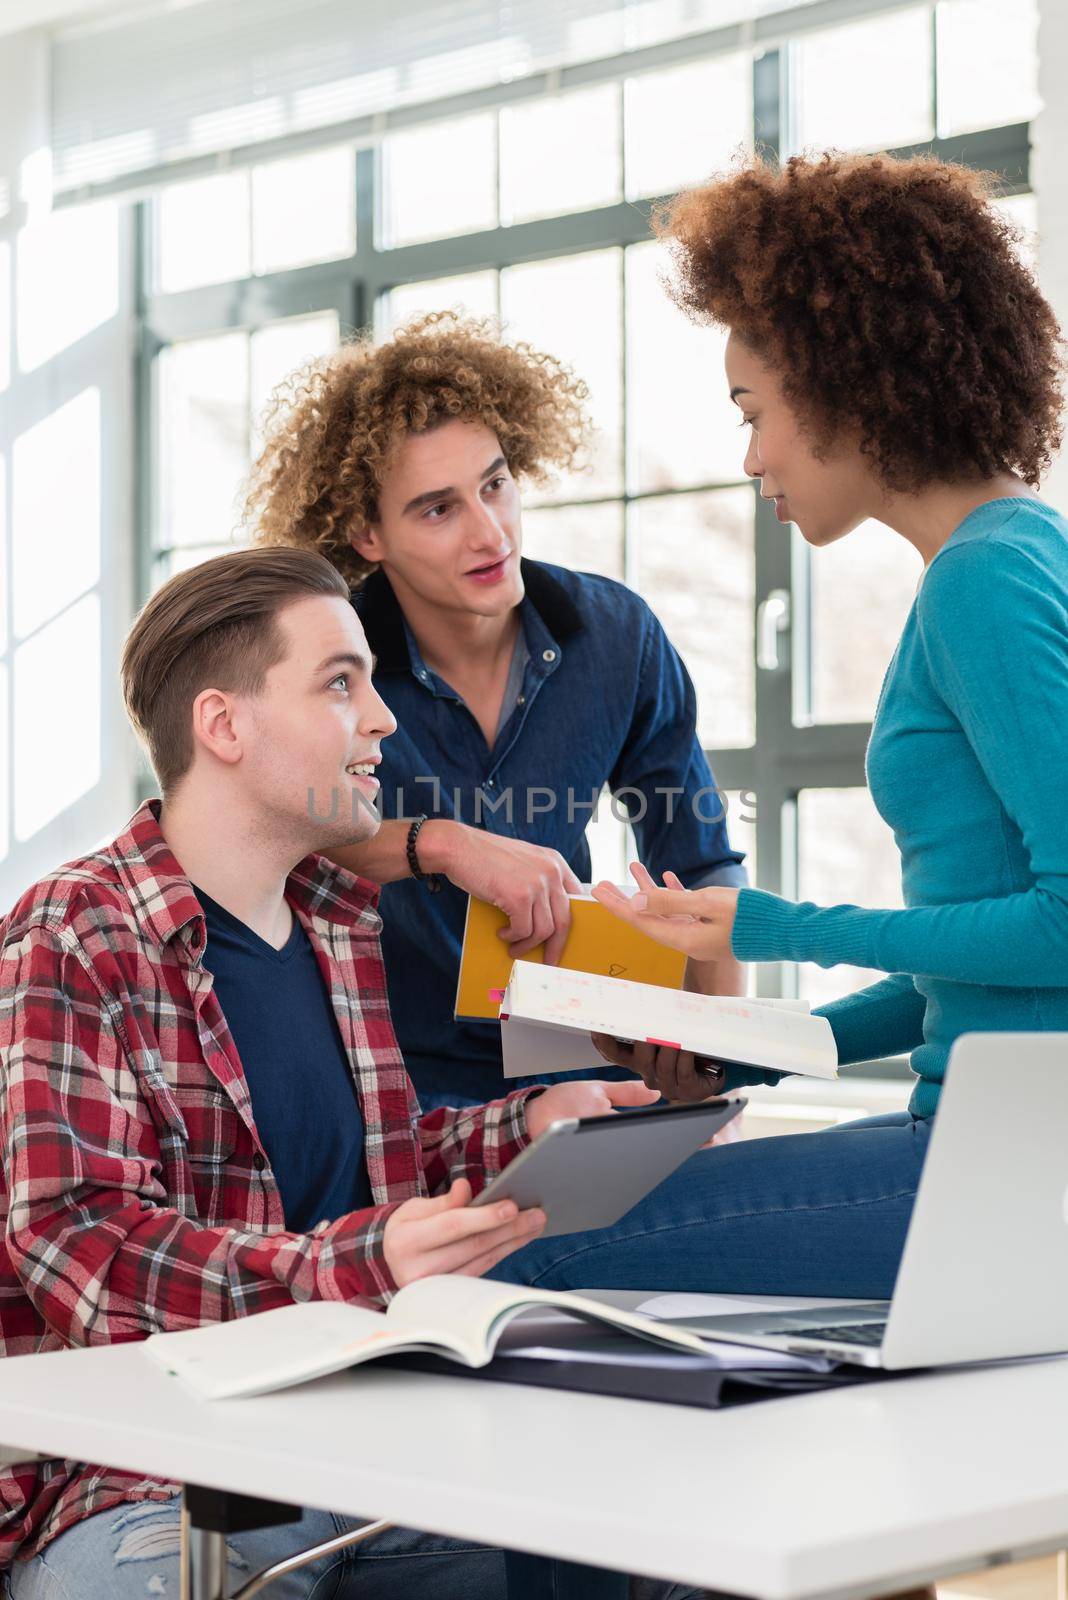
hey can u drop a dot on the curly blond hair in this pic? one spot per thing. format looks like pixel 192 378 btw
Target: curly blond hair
pixel 335 425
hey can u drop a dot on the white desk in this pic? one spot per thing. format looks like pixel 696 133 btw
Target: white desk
pixel 848 1493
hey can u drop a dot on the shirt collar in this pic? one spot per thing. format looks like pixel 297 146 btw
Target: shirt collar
pixel 383 620
pixel 165 907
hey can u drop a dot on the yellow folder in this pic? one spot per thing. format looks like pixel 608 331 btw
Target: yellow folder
pixel 597 942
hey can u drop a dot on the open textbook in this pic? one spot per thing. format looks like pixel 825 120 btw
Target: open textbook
pixel 547 1016
pixel 453 1316
pixel 597 941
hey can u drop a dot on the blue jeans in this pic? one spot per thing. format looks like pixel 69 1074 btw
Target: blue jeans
pixel 801 1214
pixel 131 1553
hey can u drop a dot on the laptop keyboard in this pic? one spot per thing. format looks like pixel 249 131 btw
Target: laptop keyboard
pixel 870 1333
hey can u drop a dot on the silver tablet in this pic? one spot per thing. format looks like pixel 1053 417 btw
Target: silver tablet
pixel 587 1172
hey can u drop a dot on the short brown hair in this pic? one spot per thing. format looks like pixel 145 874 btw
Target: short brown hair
pixel 889 296
pixel 336 425
pixel 214 626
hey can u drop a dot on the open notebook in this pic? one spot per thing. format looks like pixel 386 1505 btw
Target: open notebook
pixel 548 1015
pixel 454 1316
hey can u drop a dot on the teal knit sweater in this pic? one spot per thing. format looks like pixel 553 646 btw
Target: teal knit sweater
pixel 968 764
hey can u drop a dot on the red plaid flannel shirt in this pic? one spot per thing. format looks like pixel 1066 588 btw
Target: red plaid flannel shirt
pixel 135 1193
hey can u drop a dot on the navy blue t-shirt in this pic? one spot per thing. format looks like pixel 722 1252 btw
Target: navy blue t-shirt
pixel 303 1095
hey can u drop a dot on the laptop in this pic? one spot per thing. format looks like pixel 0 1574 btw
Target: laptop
pixel 984 1272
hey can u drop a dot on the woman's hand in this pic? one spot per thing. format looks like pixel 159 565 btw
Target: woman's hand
pixel 698 922
pixel 676 1074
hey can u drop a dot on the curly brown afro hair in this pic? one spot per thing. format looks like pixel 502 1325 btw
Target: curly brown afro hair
pixel 335 425
pixel 890 298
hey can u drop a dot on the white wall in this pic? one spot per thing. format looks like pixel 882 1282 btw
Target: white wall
pixel 66 506
pixel 1049 169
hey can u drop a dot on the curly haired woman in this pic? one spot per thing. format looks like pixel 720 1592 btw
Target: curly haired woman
pixel 520 689
pixel 892 358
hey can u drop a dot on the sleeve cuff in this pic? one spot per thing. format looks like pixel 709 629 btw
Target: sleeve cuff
pixel 505 1130
pixel 353 1265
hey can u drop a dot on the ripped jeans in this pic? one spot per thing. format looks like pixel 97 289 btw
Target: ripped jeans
pixel 130 1552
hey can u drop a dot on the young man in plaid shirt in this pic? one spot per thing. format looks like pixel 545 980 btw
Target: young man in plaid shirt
pixel 204 1110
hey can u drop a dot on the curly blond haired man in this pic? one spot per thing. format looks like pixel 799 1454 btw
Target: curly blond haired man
pixel 521 689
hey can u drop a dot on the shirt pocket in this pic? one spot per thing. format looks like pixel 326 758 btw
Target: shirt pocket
pixel 214 1133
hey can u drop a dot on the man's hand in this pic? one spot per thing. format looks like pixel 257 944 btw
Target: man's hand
pixel 528 882
pixel 586 1097
pixel 448 1234
pixel 697 921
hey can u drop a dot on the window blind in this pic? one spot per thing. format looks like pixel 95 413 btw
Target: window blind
pixel 143 96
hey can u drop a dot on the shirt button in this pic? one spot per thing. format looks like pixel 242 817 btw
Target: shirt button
pixel 548 655
pixel 422 674
pixel 489 783
pixel 521 700
pixel 259 1162
pixel 194 937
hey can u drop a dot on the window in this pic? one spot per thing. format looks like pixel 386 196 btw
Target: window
pixel 55 559
pixel 539 211
pixel 302 210
pixel 279 349
pixel 696 569
pixel 684 124
pixel 682 428
pixel 5 314
pixel 440 181
pixel 589 537
pixel 472 294
pixel 572 307
pixel 281 214
pixel 203 438
pixel 211 395
pixel 862 590
pixel 204 232
pixel 50 773
pixel 5 734
pixel 1021 211
pixel 987 64
pixel 845 853
pixel 866 85
pixel 561 154
pixel 60 293
pixel 50 316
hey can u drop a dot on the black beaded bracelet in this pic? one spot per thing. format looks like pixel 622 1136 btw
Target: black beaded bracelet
pixel 431 879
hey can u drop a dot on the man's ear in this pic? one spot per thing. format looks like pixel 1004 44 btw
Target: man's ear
pixel 366 543
pixel 213 726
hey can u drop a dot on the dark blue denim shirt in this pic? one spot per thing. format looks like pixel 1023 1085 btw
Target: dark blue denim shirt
pixel 605 699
